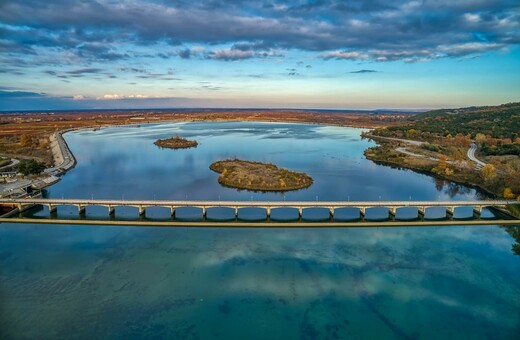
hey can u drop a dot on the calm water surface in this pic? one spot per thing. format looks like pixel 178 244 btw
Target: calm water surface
pixel 130 282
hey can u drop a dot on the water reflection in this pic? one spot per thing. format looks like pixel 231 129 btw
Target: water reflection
pixel 514 231
pixel 128 282
pixel 278 283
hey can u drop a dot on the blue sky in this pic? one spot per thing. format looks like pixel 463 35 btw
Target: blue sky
pixel 360 54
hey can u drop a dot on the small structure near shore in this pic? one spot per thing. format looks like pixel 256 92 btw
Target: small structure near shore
pixel 176 142
pixel 257 176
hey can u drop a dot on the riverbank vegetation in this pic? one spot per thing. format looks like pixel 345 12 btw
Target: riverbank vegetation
pixel 259 176
pixel 26 134
pixel 4 161
pixel 30 167
pixel 447 135
pixel 176 142
pixel 495 128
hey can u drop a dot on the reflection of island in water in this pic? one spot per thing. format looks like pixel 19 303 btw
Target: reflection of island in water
pixel 259 176
pixel 176 142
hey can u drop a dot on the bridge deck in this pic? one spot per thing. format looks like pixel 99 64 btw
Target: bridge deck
pixel 259 204
pixel 20 205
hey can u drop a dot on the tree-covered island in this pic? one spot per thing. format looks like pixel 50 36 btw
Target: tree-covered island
pixel 176 142
pixel 257 176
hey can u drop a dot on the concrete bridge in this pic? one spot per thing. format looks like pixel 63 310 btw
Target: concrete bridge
pixel 392 206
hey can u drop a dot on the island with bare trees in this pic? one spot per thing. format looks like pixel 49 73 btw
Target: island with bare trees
pixel 176 142
pixel 258 176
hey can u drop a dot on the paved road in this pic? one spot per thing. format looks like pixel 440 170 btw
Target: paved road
pixel 13 163
pixel 471 155
pixel 407 141
pixel 406 152
pixel 64 160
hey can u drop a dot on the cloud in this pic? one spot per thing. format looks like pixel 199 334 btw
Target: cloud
pixel 185 53
pixel 20 95
pixel 364 71
pixel 347 55
pixel 116 96
pixel 84 70
pixel 230 54
pixel 78 97
pixel 78 31
pixel 110 96
pixel 244 50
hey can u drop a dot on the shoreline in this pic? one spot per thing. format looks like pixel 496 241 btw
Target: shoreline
pixel 425 171
pixel 64 159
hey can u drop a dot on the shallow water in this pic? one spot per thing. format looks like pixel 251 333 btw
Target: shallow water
pixel 130 282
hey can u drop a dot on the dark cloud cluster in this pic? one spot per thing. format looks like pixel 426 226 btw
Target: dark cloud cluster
pixel 364 71
pixel 372 30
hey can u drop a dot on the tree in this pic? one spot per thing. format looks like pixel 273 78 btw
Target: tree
pixel 480 137
pixel 31 166
pixel 508 193
pixel 443 160
pixel 488 173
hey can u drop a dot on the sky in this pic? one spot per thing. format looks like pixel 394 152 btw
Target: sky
pixel 322 54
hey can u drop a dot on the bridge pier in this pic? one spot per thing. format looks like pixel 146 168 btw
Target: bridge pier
pixel 421 211
pixel 111 210
pixel 142 210
pixel 53 209
pixel 331 213
pixel 236 212
pixel 172 212
pixel 81 209
pixel 23 207
pixel 362 212
pixel 450 210
pixel 268 212
pixel 204 212
pixel 392 211
pixel 300 212
pixel 477 211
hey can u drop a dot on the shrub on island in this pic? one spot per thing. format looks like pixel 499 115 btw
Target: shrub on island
pixel 176 142
pixel 257 176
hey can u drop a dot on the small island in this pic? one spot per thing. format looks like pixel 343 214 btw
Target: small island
pixel 257 176
pixel 176 142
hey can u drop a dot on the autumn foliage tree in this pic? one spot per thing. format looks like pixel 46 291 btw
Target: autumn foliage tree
pixel 488 173
pixel 508 193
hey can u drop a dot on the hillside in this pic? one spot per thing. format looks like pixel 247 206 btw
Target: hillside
pixel 447 135
pixel 495 128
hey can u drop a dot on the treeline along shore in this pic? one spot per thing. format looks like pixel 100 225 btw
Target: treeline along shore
pixel 476 146
pixel 434 142
pixel 27 134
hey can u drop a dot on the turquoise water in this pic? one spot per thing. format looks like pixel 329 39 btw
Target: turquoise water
pixel 130 282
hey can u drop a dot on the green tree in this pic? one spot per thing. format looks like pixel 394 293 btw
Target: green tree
pixel 31 166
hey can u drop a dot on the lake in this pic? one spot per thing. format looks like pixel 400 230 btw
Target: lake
pixel 197 283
